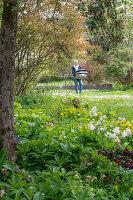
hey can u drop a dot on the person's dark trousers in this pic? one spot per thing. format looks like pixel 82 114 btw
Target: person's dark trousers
pixel 76 81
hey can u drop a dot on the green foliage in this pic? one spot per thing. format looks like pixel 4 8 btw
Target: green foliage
pixel 118 86
pixel 58 155
pixel 2 157
pixel 104 21
pixel 116 70
pixel 48 76
pixel 123 53
pixel 119 66
pixel 45 76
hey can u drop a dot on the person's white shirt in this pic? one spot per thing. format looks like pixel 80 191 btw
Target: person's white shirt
pixel 76 67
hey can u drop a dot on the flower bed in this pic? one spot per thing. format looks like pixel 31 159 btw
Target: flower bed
pixel 66 152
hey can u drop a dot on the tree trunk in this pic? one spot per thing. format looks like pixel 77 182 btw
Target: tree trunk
pixel 8 139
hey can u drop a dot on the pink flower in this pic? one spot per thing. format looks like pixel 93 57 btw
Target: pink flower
pixel 118 141
pixel 128 131
pixel 117 131
pixel 103 175
pixel 88 177
pixel 124 134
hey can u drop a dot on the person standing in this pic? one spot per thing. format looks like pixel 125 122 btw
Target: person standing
pixel 75 68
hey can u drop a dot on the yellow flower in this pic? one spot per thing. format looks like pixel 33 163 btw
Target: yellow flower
pixel 131 189
pixel 129 124
pixel 116 188
pixel 98 113
pixel 92 195
pixel 61 114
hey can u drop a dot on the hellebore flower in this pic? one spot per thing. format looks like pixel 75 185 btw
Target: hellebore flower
pixel 116 130
pixel 124 134
pixel 128 131
pixel 2 192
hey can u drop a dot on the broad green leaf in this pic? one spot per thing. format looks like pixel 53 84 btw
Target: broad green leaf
pixel 38 196
pixel 8 166
pixel 5 184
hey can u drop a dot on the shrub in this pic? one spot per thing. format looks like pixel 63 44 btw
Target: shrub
pixel 95 72
pixel 116 70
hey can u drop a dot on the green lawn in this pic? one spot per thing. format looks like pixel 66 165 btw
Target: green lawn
pixel 60 83
pixel 119 102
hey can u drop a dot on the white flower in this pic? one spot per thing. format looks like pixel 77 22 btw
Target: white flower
pixel 124 134
pixel 128 131
pixel 93 112
pixel 102 129
pixel 94 109
pixel 29 177
pixel 125 143
pixel 91 127
pixel 116 130
pixel 2 192
pixel 76 176
pixel 111 136
pixel 108 133
pixel 103 118
pixel 98 123
pixel 114 136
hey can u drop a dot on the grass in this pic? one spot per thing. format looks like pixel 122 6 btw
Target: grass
pixel 119 102
pixel 59 83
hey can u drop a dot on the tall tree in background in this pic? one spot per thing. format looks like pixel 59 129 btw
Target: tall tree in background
pixel 47 37
pixel 8 140
pixel 105 24
pixel 129 24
